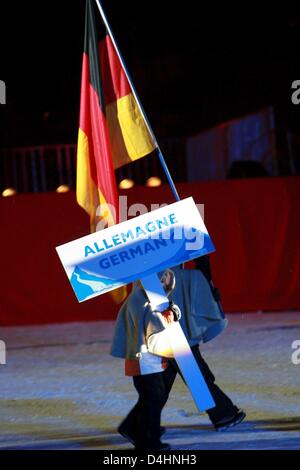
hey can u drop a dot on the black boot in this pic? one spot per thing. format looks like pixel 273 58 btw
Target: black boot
pixel 130 434
pixel 230 421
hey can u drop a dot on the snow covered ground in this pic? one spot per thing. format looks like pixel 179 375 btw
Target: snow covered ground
pixel 60 389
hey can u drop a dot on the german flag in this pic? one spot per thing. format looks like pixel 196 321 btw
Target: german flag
pixel 112 130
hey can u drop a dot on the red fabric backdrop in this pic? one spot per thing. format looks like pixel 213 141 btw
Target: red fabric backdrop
pixel 255 226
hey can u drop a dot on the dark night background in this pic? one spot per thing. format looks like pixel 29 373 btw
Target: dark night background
pixel 193 67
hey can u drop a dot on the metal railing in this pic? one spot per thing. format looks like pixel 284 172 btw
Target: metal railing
pixel 46 167
pixel 38 169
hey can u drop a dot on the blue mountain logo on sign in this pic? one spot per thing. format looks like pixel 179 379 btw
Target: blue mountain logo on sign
pixel 86 284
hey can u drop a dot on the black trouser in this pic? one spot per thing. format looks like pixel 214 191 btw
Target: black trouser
pixel 224 407
pixel 143 421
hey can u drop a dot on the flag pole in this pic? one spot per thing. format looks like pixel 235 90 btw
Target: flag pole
pixel 160 155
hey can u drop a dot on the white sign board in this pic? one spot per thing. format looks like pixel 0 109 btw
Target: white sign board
pixel 134 249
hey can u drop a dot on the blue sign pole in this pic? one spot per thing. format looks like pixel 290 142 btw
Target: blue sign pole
pixel 180 347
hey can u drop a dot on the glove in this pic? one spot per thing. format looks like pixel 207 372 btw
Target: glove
pixel 176 310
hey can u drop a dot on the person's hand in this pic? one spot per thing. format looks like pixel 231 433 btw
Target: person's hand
pixel 176 311
pixel 168 316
